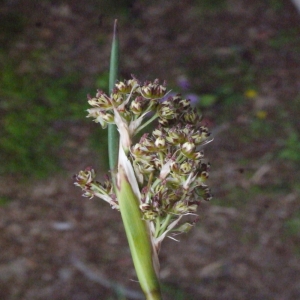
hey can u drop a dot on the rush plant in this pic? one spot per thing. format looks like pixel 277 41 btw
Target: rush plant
pixel 154 182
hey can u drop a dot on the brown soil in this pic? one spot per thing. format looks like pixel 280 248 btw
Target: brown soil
pixel 57 245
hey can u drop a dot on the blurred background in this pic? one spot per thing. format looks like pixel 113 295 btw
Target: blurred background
pixel 237 60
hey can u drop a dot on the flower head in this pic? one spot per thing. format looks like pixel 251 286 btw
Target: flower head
pixel 165 167
pixel 86 180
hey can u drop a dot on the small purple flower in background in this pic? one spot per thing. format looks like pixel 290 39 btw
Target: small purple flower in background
pixel 183 83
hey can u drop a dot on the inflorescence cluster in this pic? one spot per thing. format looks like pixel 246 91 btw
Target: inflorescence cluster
pixel 168 163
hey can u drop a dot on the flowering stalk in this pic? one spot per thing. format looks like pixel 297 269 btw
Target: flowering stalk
pixel 136 231
pixel 159 179
pixel 138 237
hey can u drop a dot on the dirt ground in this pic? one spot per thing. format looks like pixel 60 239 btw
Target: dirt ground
pixel 57 245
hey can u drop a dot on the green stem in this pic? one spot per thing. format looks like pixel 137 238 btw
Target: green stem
pixel 113 135
pixel 165 224
pixel 146 123
pixel 157 227
pixel 138 236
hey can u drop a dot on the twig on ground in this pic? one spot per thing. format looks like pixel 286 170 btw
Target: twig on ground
pixel 96 276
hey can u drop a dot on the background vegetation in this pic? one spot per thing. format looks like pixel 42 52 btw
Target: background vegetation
pixel 239 63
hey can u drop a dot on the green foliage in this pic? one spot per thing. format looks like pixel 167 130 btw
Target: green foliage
pixel 208 100
pixel 292 231
pixel 223 79
pixel 235 197
pixel 292 226
pixel 102 81
pixel 260 128
pixel 276 5
pixel 286 38
pixel 291 150
pixel 31 106
pixel 174 292
pixel 11 25
pixel 98 142
pixel 4 201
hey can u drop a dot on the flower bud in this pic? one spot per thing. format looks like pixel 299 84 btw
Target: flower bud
pixel 85 177
pixel 175 136
pixel 190 117
pixel 185 167
pixel 117 99
pixel 145 206
pixel 126 86
pixel 184 103
pixel 149 145
pixel 204 175
pixel 153 90
pixel 122 87
pixel 175 167
pixel 101 100
pixel 160 143
pixel 100 116
pixel 145 168
pixel 198 155
pixel 166 112
pixel 108 117
pixel 138 150
pixel 157 132
pixel 150 215
pixel 197 138
pixel 163 122
pixel 136 106
pixel 188 149
pixel 157 163
pixel 180 208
